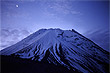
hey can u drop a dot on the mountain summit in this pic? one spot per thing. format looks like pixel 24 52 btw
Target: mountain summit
pixel 62 47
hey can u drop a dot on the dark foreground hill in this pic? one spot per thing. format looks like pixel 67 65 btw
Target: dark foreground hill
pixel 10 64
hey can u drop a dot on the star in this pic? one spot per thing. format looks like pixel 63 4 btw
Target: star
pixel 17 6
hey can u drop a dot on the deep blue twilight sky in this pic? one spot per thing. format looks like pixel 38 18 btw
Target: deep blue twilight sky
pixel 19 18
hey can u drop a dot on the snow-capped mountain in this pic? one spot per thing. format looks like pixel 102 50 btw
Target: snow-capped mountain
pixel 62 47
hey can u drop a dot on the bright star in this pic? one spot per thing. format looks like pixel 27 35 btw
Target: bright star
pixel 17 6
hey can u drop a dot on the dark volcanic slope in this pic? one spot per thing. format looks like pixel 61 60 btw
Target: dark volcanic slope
pixel 65 48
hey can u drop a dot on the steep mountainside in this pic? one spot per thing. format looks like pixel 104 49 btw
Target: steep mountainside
pixel 67 48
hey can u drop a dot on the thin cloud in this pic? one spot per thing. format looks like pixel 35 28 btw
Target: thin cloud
pixel 59 7
pixel 11 36
pixel 100 37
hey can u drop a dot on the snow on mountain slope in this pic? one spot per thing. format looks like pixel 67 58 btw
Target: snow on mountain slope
pixel 65 47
